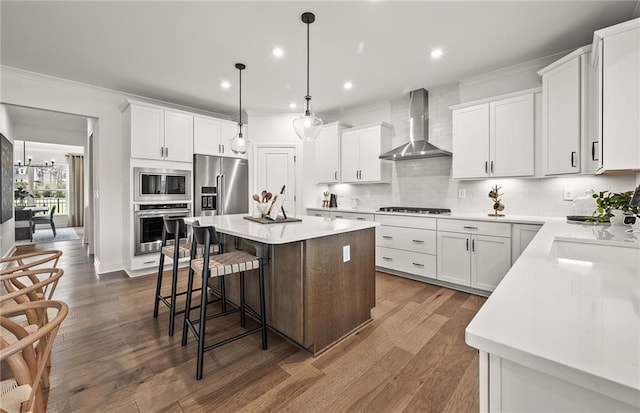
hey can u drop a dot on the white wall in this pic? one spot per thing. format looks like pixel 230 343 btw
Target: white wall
pixel 28 89
pixel 7 233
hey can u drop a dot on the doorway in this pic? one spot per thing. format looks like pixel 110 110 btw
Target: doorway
pixel 49 148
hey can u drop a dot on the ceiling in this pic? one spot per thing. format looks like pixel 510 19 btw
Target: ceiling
pixel 179 52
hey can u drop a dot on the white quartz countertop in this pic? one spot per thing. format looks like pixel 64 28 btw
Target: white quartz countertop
pixel 280 233
pixel 511 219
pixel 575 319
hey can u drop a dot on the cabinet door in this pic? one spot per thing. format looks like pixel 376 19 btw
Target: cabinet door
pixel 621 101
pixel 206 136
pixel 511 136
pixel 327 154
pixel 453 258
pixel 522 236
pixel 147 132
pixel 178 136
pixel 370 163
pixel 471 142
pixel 490 261
pixel 561 118
pixel 350 159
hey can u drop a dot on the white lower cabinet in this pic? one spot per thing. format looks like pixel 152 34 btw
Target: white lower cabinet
pixel 473 254
pixel 356 216
pixel 407 244
pixel 318 213
pixel 507 386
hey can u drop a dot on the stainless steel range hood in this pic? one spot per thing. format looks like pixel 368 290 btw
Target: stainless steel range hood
pixel 418 146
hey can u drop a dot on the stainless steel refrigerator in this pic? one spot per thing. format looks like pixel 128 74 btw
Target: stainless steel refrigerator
pixel 221 185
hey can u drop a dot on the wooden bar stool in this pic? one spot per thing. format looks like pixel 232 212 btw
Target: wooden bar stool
pixel 173 228
pixel 235 262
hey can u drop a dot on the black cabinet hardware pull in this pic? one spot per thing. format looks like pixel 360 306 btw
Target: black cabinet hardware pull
pixel 387 237
pixel 418 264
pixel 465 227
pixel 573 162
pixel 418 241
pixel 473 245
pixel 593 151
pixel 387 259
pixel 486 167
pixel 467 244
pixel 491 166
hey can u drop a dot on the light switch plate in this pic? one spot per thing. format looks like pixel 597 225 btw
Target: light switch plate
pixel 346 253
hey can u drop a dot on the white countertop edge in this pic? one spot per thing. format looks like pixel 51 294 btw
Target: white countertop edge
pixel 615 390
pixel 510 219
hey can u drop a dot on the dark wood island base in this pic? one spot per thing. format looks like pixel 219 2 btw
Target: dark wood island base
pixel 315 297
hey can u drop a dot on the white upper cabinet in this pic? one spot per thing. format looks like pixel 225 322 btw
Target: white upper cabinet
pixel 156 133
pixel 471 142
pixel 360 149
pixel 327 153
pixel 178 136
pixel 568 140
pixel 616 52
pixel 494 138
pixel 211 136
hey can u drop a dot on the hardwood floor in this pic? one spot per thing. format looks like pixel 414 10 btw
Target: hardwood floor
pixel 111 355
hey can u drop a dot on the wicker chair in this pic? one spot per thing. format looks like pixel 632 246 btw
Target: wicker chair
pixel 27 355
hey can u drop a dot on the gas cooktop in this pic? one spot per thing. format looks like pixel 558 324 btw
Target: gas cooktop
pixel 416 210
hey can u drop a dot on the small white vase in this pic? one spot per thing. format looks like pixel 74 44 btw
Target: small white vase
pixel 263 207
pixel 617 218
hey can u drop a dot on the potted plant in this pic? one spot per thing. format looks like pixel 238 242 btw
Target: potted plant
pixel 612 206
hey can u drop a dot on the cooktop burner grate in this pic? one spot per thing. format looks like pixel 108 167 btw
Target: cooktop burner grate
pixel 416 210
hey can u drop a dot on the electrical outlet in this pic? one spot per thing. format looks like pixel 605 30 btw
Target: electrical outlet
pixel 567 194
pixel 367 194
pixel 346 253
pixel 462 193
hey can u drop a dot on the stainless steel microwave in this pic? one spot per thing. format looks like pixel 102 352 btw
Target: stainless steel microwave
pixel 161 185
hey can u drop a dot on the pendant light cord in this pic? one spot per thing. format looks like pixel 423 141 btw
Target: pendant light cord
pixel 240 106
pixel 307 98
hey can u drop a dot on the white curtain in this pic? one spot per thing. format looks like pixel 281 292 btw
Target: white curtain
pixel 76 190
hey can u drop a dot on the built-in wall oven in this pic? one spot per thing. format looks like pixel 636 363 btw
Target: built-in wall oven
pixel 161 185
pixel 149 221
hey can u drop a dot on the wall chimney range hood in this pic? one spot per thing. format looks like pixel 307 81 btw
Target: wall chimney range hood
pixel 418 146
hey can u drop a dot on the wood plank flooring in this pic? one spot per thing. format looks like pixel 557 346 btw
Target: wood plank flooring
pixel 111 355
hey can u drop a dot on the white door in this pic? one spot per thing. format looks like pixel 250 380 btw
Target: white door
pixel 147 132
pixel 511 128
pixel 490 260
pixel 206 136
pixel 276 167
pixel 471 142
pixel 453 258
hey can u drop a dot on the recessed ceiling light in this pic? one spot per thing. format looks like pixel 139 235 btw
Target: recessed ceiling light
pixel 348 85
pixel 277 52
pixel 225 85
pixel 436 53
pixel 292 105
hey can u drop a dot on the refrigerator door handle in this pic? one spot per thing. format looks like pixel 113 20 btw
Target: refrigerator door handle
pixel 221 194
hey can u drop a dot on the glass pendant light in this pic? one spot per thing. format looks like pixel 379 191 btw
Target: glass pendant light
pixel 239 143
pixel 307 126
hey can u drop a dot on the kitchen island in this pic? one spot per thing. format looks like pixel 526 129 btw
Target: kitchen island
pixel 561 332
pixel 319 274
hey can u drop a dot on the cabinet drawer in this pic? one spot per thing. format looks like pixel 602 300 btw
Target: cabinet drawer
pixel 318 213
pixel 416 240
pixel 352 215
pixel 414 263
pixel 498 229
pixel 404 221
